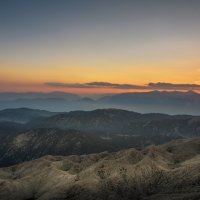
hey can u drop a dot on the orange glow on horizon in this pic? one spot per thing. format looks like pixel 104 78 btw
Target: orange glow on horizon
pixel 20 78
pixel 14 87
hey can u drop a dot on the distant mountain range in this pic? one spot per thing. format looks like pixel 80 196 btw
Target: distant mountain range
pixel 156 101
pixel 81 132
pixel 38 95
pixel 169 171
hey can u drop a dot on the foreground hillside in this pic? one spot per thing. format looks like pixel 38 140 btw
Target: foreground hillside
pixel 170 171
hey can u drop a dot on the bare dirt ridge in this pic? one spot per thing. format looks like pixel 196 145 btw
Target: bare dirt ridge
pixel 169 171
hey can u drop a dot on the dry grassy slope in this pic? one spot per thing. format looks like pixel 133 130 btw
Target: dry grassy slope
pixel 170 171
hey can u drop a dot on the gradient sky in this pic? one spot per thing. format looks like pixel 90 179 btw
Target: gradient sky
pixel 82 41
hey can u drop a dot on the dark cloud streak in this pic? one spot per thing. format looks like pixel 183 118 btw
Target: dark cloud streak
pixel 161 85
pixel 149 86
pixel 94 85
pixel 67 85
pixel 115 85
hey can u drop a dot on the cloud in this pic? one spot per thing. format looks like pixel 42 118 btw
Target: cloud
pixel 94 85
pixel 149 86
pixel 67 85
pixel 161 85
pixel 115 85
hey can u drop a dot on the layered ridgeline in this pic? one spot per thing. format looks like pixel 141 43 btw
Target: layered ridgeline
pixel 170 171
pixel 23 115
pixel 173 102
pixel 83 132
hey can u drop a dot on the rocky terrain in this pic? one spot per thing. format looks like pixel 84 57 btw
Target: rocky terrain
pixel 169 171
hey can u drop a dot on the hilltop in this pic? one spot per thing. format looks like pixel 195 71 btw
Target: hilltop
pixel 169 171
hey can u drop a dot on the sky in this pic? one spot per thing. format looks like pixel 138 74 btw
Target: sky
pixel 99 46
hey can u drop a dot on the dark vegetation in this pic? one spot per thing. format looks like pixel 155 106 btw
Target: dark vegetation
pixel 83 132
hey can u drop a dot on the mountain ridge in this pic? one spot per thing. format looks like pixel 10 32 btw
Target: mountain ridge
pixel 90 132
